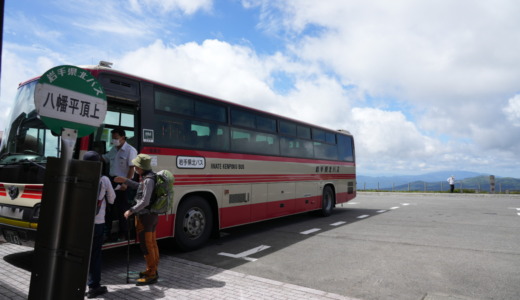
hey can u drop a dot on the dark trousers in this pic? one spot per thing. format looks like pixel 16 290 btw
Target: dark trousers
pixel 452 188
pixel 117 213
pixel 94 271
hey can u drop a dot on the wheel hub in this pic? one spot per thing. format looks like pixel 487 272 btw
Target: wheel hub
pixel 194 223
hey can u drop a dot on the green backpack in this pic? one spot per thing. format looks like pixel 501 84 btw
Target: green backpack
pixel 163 190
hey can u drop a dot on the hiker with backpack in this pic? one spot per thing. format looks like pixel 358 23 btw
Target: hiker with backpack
pixel 146 220
pixel 106 194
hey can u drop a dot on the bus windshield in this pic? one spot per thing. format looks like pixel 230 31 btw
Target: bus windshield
pixel 27 139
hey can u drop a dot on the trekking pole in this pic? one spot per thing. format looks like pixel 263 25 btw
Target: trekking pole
pixel 128 251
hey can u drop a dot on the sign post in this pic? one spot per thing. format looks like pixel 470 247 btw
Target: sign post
pixel 71 103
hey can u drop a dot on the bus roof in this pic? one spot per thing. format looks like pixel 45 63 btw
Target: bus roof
pixel 105 67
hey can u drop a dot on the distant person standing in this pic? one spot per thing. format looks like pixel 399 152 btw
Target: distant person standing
pixel 451 181
pixel 120 158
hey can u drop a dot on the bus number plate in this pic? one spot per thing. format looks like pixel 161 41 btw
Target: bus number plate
pixel 12 237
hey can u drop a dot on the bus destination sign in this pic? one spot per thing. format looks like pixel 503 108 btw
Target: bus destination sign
pixel 70 97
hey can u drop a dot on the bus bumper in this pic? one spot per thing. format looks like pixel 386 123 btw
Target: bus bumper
pixel 18 232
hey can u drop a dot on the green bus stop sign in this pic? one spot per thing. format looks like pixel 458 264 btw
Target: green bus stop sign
pixel 70 97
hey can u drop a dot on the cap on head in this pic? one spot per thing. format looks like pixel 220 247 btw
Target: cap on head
pixel 92 156
pixel 143 161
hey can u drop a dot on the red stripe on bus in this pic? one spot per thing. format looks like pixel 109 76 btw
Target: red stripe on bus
pixel 31 196
pixel 84 142
pixel 248 178
pixel 33 191
pixel 345 197
pixel 34 187
pixel 227 155
pixel 249 213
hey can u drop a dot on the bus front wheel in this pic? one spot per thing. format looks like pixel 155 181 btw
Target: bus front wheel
pixel 327 201
pixel 193 222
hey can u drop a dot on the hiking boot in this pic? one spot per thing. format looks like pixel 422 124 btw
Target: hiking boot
pixel 144 274
pixel 94 292
pixel 147 280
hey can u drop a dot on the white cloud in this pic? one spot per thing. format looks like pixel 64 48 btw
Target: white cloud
pixel 235 73
pixel 423 85
pixel 14 71
pixel 388 133
pixel 214 67
pixel 452 63
pixel 512 110
pixel 188 7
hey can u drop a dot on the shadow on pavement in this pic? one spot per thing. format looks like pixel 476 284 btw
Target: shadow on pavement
pixel 22 260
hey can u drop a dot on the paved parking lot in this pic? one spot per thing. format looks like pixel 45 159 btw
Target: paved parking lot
pixel 179 279
pixel 384 245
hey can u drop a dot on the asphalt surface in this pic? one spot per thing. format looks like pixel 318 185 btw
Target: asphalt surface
pixel 379 246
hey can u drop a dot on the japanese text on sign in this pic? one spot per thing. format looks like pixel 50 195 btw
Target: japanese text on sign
pixel 69 105
pixel 75 72
pixel 191 162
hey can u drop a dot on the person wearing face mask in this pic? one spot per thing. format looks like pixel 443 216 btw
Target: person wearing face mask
pixel 120 159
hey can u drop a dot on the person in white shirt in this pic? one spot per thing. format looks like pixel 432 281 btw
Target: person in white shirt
pixel 451 181
pixel 106 194
pixel 120 159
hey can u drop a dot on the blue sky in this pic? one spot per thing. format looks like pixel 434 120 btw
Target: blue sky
pixel 424 86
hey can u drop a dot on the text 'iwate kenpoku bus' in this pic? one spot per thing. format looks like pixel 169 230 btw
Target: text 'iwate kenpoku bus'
pixel 233 165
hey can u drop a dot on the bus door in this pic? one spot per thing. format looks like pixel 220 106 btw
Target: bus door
pixel 118 115
pixel 123 99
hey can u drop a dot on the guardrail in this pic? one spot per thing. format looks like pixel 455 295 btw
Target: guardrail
pixel 435 188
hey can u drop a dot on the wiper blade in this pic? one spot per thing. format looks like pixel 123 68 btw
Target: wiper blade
pixel 33 163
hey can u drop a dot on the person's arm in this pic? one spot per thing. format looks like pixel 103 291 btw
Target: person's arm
pixel 147 195
pixel 130 173
pixel 109 190
pixel 128 182
pixel 132 156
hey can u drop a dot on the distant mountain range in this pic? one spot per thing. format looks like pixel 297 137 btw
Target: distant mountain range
pixel 437 182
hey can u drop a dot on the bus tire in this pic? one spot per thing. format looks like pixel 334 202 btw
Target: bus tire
pixel 193 223
pixel 327 201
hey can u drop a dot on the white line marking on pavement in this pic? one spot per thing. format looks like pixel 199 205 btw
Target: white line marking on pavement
pixel 310 231
pixel 352 203
pixel 363 216
pixel 405 204
pixel 338 223
pixel 381 211
pixel 395 207
pixel 244 255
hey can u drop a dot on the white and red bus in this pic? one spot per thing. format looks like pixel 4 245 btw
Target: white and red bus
pixel 233 165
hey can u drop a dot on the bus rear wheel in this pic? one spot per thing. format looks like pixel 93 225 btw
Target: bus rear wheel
pixel 327 201
pixel 193 223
